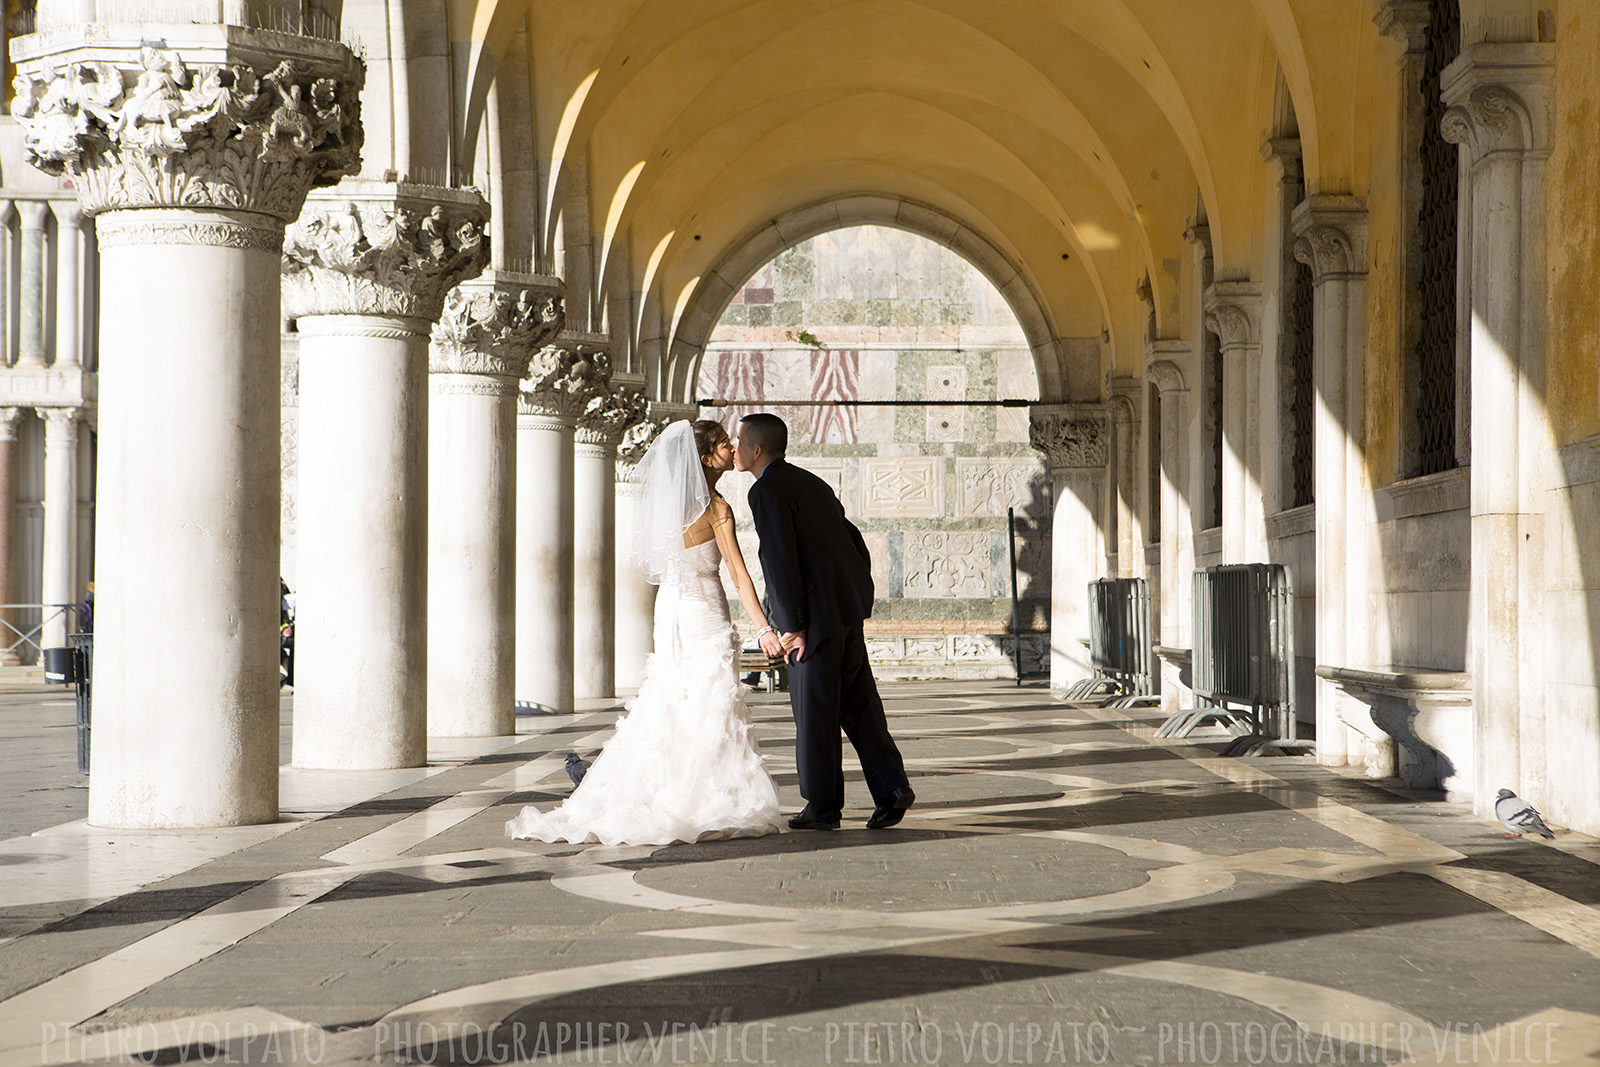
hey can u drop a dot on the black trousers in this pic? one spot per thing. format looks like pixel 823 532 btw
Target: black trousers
pixel 832 689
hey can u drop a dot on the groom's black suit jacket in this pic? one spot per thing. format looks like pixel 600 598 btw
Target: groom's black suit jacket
pixel 817 569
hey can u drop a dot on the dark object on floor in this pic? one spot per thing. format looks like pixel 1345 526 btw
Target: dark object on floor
pixel 576 768
pixel 1518 816
pixel 886 815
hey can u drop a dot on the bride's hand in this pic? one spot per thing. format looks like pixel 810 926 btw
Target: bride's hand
pixel 772 645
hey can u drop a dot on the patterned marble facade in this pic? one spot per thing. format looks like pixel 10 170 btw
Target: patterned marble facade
pixel 869 314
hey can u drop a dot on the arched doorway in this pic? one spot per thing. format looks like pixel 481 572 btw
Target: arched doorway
pixel 892 359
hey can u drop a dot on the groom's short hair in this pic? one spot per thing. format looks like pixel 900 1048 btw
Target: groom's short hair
pixel 766 430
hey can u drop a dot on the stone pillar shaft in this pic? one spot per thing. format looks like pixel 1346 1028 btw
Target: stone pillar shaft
pixel 1331 239
pixel 60 520
pixel 9 418
pixel 185 683
pixel 1073 438
pixel 544 680
pixel 1233 313
pixel 69 308
pixel 1164 366
pixel 594 574
pixel 481 348
pixel 635 597
pixel 361 609
pixel 1498 98
pixel 30 295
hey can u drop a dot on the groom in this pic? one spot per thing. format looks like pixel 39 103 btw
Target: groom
pixel 819 581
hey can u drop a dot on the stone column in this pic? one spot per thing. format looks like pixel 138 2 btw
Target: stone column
pixel 594 614
pixel 60 520
pixel 556 389
pixel 1233 313
pixel 490 329
pixel 1331 238
pixel 69 307
pixel 1073 439
pixel 1164 367
pixel 9 418
pixel 1498 98
pixel 636 598
pixel 30 284
pixel 190 165
pixel 366 269
pixel 1123 409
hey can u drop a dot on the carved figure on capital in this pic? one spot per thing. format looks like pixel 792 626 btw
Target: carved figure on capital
pixel 559 383
pixel 490 331
pixel 608 415
pixel 398 255
pixel 1070 435
pixel 221 135
pixel 636 441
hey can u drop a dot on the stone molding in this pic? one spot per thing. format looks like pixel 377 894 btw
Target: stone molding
pixel 531 418
pixel 122 230
pixel 608 415
pixel 254 132
pixel 445 383
pixel 494 326
pixel 1070 435
pixel 1331 236
pixel 383 249
pixel 382 327
pixel 1497 99
pixel 1233 313
pixel 1406 21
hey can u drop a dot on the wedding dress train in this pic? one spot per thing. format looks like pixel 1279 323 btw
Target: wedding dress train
pixel 682 764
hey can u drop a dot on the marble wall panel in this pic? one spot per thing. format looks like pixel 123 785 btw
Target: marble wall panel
pixel 908 487
pixel 987 485
pixel 947 564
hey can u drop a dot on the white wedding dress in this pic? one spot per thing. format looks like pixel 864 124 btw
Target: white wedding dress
pixel 683 764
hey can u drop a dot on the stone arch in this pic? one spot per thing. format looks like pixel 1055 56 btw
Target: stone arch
pixel 715 290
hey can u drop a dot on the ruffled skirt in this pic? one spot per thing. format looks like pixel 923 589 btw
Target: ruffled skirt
pixel 683 764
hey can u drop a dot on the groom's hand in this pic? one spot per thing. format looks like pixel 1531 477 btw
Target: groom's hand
pixel 772 645
pixel 794 646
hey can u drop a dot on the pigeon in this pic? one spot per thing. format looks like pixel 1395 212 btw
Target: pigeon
pixel 1518 816
pixel 577 768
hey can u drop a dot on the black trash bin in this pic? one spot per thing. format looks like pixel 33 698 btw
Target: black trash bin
pixel 83 666
pixel 60 666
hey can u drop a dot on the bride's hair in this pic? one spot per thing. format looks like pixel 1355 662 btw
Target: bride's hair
pixel 707 432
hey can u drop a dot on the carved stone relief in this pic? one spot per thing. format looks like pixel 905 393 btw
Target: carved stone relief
pixel 990 485
pixel 1070 435
pixel 902 487
pixel 493 330
pixel 940 564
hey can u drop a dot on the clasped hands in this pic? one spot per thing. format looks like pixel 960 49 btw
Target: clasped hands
pixel 779 646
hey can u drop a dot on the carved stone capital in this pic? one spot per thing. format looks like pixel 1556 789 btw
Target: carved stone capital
pixel 1284 153
pixel 1198 234
pixel 608 415
pixel 1406 21
pixel 1122 396
pixel 381 248
pixel 1331 236
pixel 1069 435
pixel 565 375
pixel 10 419
pixel 234 119
pixel 1164 363
pixel 1497 98
pixel 637 439
pixel 1233 313
pixel 493 325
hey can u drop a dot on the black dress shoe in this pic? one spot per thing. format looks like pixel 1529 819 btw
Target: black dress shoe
pixel 807 819
pixel 886 815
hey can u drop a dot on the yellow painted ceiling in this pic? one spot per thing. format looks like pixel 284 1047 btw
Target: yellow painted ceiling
pixel 1074 135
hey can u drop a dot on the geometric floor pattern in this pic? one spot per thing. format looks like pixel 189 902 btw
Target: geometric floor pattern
pixel 1067 889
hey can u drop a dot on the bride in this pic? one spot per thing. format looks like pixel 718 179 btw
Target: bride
pixel 682 765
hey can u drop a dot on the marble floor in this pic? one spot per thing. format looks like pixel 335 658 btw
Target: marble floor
pixel 1068 889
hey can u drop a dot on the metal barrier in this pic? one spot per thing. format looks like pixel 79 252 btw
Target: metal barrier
pixel 82 646
pixel 21 639
pixel 1243 668
pixel 1119 644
